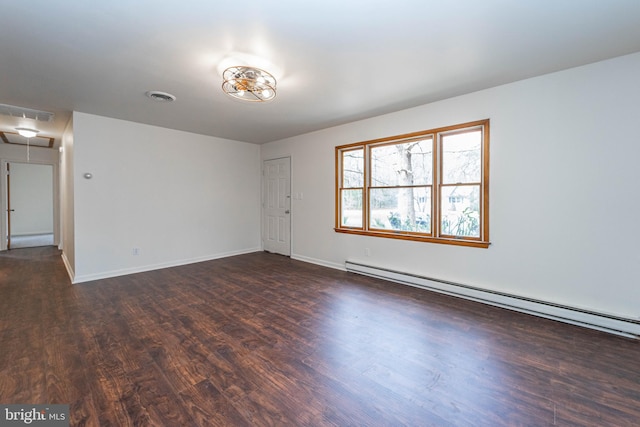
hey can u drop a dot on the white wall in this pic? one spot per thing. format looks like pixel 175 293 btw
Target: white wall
pixel 563 204
pixel 176 196
pixel 31 192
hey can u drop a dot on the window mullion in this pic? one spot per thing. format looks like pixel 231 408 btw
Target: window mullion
pixel 365 191
pixel 437 180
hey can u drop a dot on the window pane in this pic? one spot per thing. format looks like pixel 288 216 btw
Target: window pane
pixel 402 209
pixel 409 163
pixel 462 158
pixel 353 168
pixel 351 208
pixel 460 209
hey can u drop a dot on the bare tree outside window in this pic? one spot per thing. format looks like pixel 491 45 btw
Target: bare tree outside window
pixel 401 185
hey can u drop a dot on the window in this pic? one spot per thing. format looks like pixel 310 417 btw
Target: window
pixel 428 186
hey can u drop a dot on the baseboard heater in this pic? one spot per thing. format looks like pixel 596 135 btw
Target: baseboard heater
pixel 603 322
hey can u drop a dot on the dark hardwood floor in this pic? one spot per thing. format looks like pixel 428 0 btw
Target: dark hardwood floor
pixel 263 340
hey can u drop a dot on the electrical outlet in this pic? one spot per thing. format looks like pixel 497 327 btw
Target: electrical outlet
pixel 367 252
pixel 135 251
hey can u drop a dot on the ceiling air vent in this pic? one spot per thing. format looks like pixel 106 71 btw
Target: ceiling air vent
pixel 160 96
pixel 26 113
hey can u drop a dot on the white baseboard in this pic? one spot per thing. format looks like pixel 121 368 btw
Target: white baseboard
pixel 576 316
pixel 67 265
pixel 142 269
pixel 323 263
pixel 32 233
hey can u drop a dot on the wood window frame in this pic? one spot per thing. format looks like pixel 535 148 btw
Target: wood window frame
pixel 437 185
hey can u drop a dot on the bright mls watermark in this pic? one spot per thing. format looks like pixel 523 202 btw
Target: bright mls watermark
pixel 36 415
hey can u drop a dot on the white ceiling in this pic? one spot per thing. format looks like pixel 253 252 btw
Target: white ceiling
pixel 335 61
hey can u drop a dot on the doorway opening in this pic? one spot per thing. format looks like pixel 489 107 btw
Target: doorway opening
pixel 29 220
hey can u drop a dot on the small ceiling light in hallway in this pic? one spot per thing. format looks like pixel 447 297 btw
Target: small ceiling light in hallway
pixel 27 133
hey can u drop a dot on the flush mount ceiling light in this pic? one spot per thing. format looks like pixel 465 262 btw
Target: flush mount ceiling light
pixel 160 96
pixel 27 133
pixel 249 84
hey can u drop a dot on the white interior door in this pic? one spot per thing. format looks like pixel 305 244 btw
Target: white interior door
pixel 277 206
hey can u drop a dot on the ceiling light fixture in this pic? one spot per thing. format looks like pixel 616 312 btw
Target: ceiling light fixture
pixel 27 133
pixel 26 113
pixel 249 84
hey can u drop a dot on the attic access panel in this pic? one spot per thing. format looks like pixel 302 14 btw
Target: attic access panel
pixel 36 141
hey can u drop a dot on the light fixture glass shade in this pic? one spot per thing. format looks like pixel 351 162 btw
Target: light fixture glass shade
pixel 27 133
pixel 249 84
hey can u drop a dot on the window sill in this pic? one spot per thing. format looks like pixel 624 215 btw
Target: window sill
pixel 416 238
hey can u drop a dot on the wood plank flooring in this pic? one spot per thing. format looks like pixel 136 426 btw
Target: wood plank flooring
pixel 263 340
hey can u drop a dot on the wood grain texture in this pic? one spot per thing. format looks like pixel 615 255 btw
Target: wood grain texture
pixel 263 340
